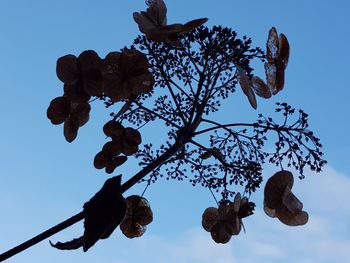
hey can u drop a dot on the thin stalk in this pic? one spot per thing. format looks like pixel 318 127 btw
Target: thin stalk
pixel 76 218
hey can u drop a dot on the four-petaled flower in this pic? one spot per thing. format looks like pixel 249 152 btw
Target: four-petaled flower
pixel 124 141
pixel 153 23
pixel 226 221
pixel 81 75
pixel 73 114
pixel 280 202
pixel 138 215
pixel 126 75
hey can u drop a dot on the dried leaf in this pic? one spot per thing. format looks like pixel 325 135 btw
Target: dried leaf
pixel 73 244
pixel 104 212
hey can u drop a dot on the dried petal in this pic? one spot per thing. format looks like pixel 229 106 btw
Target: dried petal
pixel 189 26
pixel 58 110
pixel 291 202
pixel 220 234
pixel 67 69
pixel 143 215
pixel 70 130
pixel 275 187
pixel 76 92
pixel 112 147
pixel 271 77
pixel 101 159
pixel 272 45
pixel 270 212
pixel 237 202
pixel 260 88
pixel 113 129
pixel 233 226
pixel 284 50
pixel 132 137
pixel 290 219
pixel 210 218
pixel 244 81
pixel 157 12
pixel 131 228
pixel 80 113
pixel 114 163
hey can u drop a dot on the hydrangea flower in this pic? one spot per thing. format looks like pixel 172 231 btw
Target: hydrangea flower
pixel 138 215
pixel 280 202
pixel 73 114
pixel 153 23
pixel 126 75
pixel 226 220
pixel 81 75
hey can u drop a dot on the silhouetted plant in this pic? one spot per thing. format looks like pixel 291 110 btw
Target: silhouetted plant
pixel 179 75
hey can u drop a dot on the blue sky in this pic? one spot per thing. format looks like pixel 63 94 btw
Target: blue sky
pixel 45 179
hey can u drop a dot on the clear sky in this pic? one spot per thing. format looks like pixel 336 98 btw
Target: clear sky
pixel 44 179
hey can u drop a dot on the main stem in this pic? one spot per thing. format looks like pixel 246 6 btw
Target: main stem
pixel 76 218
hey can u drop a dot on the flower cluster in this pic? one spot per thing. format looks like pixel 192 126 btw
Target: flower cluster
pixel 72 114
pixel 126 75
pixel 153 23
pixel 124 141
pixel 226 221
pixel 120 75
pixel 280 202
pixel 277 60
pixel 138 215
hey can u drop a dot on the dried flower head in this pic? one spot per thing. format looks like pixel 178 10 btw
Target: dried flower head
pixel 126 75
pixel 226 220
pixel 81 76
pixel 153 23
pixel 73 114
pixel 280 202
pixel 138 215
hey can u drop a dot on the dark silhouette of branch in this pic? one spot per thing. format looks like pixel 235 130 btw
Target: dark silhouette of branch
pixel 78 217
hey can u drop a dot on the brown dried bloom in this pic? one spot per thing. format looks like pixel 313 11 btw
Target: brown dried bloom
pixel 128 138
pixel 109 158
pixel 153 23
pixel 73 114
pixel 277 56
pixel 126 75
pixel 81 76
pixel 226 221
pixel 138 215
pixel 280 202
